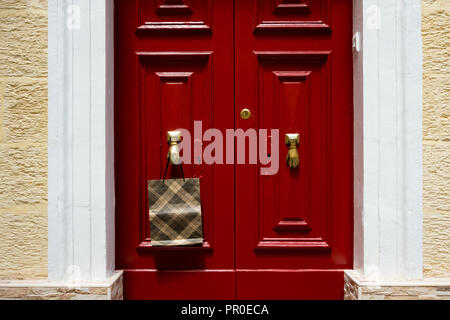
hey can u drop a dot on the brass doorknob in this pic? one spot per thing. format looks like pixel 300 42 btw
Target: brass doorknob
pixel 246 114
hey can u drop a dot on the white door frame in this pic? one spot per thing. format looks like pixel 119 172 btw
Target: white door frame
pixel 388 139
pixel 81 139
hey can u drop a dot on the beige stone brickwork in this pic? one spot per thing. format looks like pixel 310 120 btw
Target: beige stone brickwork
pixel 436 137
pixel 23 139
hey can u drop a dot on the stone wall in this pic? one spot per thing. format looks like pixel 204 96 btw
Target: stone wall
pixel 23 139
pixel 436 137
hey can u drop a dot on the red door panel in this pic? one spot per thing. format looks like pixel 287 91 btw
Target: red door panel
pixel 179 285
pixel 292 95
pixel 181 15
pixel 290 285
pixel 175 91
pixel 294 72
pixel 291 15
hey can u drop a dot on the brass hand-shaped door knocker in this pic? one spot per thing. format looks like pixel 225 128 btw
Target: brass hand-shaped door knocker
pixel 173 156
pixel 293 157
pixel 174 138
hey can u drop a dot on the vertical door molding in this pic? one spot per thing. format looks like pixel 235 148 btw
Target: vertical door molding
pixel 81 139
pixel 388 140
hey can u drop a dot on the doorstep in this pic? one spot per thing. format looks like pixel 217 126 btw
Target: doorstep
pixel 110 289
pixel 357 288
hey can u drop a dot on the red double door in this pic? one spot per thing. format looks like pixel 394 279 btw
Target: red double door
pixel 282 236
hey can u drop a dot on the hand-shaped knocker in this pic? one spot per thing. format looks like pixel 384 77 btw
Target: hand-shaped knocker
pixel 293 158
pixel 174 138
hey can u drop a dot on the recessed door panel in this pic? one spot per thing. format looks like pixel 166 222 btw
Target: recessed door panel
pixel 294 94
pixel 159 16
pixel 292 16
pixel 175 89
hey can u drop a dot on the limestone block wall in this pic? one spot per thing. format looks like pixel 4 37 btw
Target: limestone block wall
pixel 436 137
pixel 23 139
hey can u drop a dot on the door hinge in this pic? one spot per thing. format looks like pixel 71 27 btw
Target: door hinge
pixel 356 42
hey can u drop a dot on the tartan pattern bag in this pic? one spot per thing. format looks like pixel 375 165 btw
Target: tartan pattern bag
pixel 175 212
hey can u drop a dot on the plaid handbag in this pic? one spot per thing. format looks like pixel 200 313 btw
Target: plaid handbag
pixel 175 212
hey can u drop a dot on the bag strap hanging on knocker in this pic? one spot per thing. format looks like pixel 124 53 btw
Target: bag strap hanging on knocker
pixel 167 166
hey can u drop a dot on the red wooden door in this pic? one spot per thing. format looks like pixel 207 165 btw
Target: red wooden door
pixel 294 72
pixel 282 236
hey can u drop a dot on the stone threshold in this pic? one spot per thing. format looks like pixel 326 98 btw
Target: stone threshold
pixel 110 289
pixel 357 288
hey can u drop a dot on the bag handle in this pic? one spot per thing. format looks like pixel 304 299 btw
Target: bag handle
pixel 167 166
